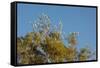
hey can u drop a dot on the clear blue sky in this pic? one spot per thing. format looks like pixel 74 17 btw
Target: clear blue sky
pixel 74 19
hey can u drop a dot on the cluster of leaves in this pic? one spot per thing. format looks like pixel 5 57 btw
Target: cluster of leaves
pixel 45 45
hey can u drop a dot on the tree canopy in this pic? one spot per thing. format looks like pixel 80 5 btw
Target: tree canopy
pixel 45 44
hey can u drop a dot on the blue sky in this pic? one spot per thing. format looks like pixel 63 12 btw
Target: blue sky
pixel 74 19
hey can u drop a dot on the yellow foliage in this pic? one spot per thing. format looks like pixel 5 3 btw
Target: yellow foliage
pixel 70 54
pixel 55 49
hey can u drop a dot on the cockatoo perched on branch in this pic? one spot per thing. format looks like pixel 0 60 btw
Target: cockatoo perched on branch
pixel 72 38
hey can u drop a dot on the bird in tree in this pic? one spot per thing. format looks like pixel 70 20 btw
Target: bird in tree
pixel 72 38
